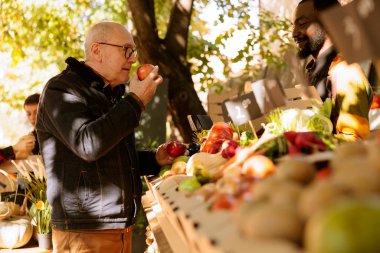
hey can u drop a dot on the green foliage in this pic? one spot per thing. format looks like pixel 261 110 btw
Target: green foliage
pixel 44 33
pixel 162 10
pixel 57 27
pixel 269 37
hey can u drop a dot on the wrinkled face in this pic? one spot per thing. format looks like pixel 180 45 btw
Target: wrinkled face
pixel 307 31
pixel 115 66
pixel 31 113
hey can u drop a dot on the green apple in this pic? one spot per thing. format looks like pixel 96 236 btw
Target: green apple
pixel 348 226
pixel 189 185
pixel 182 158
pixel 202 174
pixel 179 164
pixel 164 169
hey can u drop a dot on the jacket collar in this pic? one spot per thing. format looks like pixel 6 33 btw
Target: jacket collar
pixel 94 80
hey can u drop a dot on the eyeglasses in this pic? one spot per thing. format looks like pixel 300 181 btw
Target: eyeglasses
pixel 128 50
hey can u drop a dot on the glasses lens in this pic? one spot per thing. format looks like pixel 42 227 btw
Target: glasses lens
pixel 129 52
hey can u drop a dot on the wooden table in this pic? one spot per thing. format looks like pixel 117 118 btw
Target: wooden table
pixel 31 247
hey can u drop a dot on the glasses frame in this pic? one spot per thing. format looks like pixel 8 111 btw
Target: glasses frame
pixel 133 52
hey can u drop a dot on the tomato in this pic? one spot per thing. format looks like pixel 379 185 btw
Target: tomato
pixel 376 101
pixel 211 146
pixel 221 130
pixel 322 174
pixel 223 202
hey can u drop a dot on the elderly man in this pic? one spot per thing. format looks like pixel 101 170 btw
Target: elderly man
pixel 345 84
pixel 85 127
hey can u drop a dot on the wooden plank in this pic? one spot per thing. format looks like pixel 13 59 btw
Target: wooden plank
pixel 300 104
pixel 214 108
pixel 219 98
pixel 217 117
pixel 302 92
pixel 148 203
pixel 177 241
pixel 30 247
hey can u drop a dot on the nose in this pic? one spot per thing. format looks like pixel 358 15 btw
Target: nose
pixel 296 32
pixel 132 59
pixel 34 118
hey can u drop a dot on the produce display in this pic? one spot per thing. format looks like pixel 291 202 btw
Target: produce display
pixel 281 192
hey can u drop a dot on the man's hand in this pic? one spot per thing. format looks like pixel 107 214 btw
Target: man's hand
pixel 146 88
pixel 23 148
pixel 162 155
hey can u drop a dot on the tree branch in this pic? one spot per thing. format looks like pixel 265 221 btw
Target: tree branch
pixel 144 19
pixel 178 29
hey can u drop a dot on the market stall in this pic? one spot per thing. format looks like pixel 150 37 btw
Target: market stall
pixel 267 200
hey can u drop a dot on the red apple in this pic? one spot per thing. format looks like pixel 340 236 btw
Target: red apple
pixel 144 70
pixel 229 148
pixel 176 148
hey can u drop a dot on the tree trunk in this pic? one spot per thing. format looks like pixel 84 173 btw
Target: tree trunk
pixel 170 55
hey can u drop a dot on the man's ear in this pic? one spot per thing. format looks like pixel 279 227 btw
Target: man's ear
pixel 96 51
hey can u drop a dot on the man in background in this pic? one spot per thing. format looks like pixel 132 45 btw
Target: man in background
pixel 27 144
pixel 333 78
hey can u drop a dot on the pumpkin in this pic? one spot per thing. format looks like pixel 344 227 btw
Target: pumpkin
pixel 14 209
pixel 15 232
pixel 5 211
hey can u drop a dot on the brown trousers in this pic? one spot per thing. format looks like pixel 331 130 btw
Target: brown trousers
pixel 92 241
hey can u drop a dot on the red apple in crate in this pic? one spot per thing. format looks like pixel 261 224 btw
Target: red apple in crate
pixel 144 70
pixel 229 148
pixel 176 148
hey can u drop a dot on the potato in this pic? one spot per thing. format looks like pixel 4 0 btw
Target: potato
pixel 298 170
pixel 318 196
pixel 269 221
pixel 348 150
pixel 286 192
pixel 263 188
pixel 374 155
pixel 357 174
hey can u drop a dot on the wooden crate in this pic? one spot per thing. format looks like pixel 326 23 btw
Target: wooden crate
pixel 301 97
pixel 214 104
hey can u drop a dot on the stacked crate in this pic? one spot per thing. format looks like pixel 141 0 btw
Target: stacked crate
pixel 214 104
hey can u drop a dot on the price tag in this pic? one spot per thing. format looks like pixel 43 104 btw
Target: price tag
pixel 263 99
pixel 242 109
pixel 354 28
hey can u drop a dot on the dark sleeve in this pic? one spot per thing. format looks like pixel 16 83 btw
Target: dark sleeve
pixel 67 114
pixel 6 154
pixel 148 163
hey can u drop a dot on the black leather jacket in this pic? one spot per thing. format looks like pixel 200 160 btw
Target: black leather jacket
pixel 86 134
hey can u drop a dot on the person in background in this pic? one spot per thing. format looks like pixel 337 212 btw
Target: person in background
pixel 85 128
pixel 27 144
pixel 21 150
pixel 31 107
pixel 333 78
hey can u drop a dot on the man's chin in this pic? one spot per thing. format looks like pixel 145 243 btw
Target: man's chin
pixel 304 53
